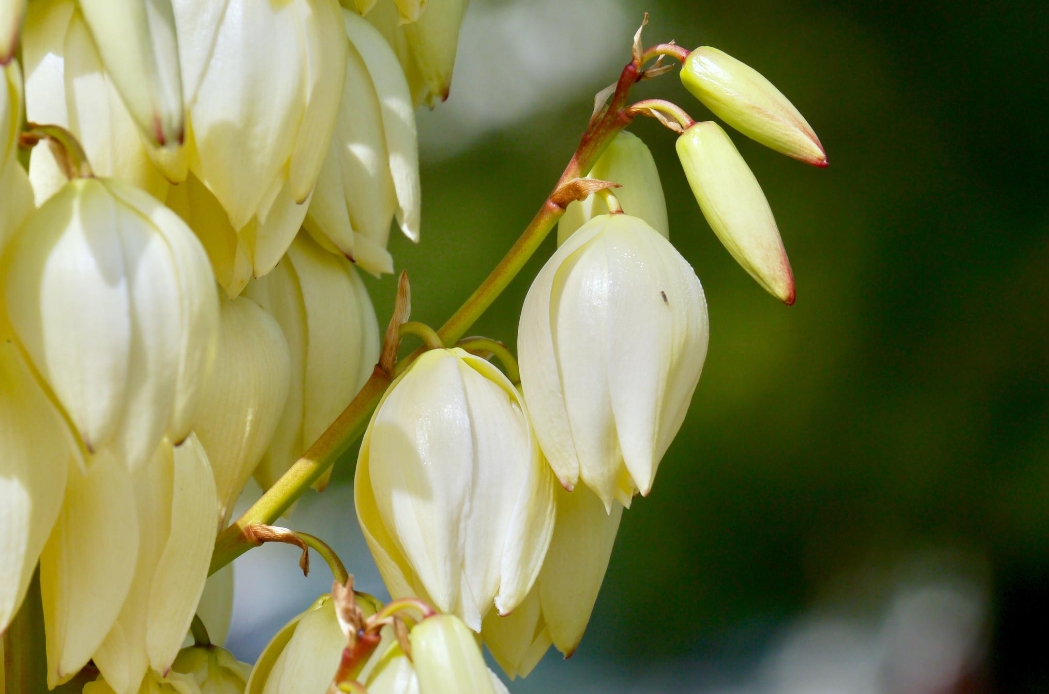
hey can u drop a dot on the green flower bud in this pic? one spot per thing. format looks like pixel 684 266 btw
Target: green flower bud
pixel 748 102
pixel 735 207
pixel 628 162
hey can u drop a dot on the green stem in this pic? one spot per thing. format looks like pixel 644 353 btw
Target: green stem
pixel 647 106
pixel 199 632
pixel 501 351
pixel 424 332
pixel 350 425
pixel 338 569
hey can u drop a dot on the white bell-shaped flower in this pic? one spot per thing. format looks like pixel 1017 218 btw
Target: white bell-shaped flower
pixel 261 83
pixel 612 341
pixel 243 400
pixel 113 299
pixel 38 450
pixel 559 605
pixel 123 570
pixel 17 194
pixel 628 162
pixel 371 171
pixel 67 84
pixel 326 315
pixel 451 491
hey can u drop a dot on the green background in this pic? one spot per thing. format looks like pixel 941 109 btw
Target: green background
pixel 899 409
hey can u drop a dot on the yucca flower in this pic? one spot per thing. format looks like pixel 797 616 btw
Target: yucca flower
pixel 113 299
pixel 17 194
pixel 125 564
pixel 326 315
pixel 371 171
pixel 67 84
pixel 451 492
pixel 261 83
pixel 612 341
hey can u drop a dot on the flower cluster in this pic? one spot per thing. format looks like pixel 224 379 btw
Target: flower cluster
pixel 182 309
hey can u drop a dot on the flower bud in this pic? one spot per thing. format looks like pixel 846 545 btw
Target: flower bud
pixel 137 44
pixel 628 162
pixel 243 400
pixel 447 658
pixel 303 657
pixel 262 83
pixel 38 449
pixel 214 670
pixel 426 48
pixel 326 315
pixel 17 194
pixel 215 608
pixel 68 85
pixel 735 207
pixel 371 170
pixel 740 96
pixel 113 299
pixel 128 556
pixel 451 492
pixel 612 340
pixel 11 14
pixel 559 606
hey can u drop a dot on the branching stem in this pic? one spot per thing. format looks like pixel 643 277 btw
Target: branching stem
pixel 424 332
pixel 496 348
pixel 350 425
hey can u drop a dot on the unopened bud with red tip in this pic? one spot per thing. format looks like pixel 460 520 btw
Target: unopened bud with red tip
pixel 743 98
pixel 735 207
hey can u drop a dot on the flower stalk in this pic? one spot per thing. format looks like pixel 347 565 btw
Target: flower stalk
pixel 608 121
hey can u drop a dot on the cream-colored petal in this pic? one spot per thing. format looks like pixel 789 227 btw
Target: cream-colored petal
pixel 410 10
pixel 88 563
pixel 11 14
pixel 447 658
pixel 68 300
pixel 540 370
pixel 260 673
pixel 243 400
pixel 421 455
pixel 397 574
pixel 392 674
pixel 38 449
pixel 123 658
pixel 310 659
pixel 575 564
pixel 271 238
pixel 198 307
pixel 398 118
pixel 98 117
pixel 518 640
pixel 342 334
pixel 178 579
pixel 433 41
pixel 660 298
pixel 197 24
pixel 18 200
pixel 216 604
pixel 280 294
pixel 12 100
pixel 138 46
pixel 325 45
pixel 579 310
pixel 249 102
pixel 198 208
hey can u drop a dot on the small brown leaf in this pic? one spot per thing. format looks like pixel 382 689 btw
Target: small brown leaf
pixel 579 189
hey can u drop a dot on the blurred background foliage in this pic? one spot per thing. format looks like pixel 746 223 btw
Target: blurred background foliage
pixel 891 428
